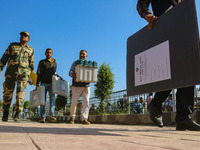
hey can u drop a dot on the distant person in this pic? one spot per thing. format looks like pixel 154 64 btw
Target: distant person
pixel 132 109
pixel 25 112
pixel 22 114
pixel 149 98
pixel 92 110
pixel 126 101
pixel 114 107
pixel 137 107
pixel 46 69
pixel 79 89
pixel 184 96
pixel 122 102
pixel 168 103
pixel 20 60
pixel 143 104
pixel 108 108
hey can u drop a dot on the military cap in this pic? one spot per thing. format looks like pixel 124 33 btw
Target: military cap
pixel 21 33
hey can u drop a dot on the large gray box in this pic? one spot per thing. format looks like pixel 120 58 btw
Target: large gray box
pixel 60 87
pixel 179 27
pixel 37 97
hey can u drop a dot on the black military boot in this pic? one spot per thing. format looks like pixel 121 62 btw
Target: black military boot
pixel 5 115
pixel 17 117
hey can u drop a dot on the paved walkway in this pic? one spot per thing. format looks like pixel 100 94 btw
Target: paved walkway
pixel 60 136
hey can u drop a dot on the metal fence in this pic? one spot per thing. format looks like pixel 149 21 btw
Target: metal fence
pixel 128 108
pixel 117 105
pixel 117 96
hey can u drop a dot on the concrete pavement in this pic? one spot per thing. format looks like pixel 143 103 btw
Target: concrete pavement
pixel 28 135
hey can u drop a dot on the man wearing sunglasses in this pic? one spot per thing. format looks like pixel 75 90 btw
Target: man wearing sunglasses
pixel 20 60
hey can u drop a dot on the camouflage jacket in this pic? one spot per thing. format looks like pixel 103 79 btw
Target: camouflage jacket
pixel 20 59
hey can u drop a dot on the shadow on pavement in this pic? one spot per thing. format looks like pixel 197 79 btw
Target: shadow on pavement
pixel 12 127
pixel 67 131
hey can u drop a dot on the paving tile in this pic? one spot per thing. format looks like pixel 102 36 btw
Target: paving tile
pixel 62 136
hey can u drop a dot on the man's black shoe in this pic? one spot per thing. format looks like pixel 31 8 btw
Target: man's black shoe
pixel 187 124
pixel 155 115
pixel 5 115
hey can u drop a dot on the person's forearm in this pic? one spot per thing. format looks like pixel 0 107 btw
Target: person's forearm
pixel 39 70
pixel 4 58
pixel 31 62
pixel 72 70
pixel 142 8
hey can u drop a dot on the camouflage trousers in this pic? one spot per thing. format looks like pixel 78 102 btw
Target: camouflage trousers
pixel 9 87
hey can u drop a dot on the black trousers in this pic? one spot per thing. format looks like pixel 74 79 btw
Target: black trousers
pixel 184 101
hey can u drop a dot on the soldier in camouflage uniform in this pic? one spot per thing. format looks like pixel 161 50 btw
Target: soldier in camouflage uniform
pixel 20 60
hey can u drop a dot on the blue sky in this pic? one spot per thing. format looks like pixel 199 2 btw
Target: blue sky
pixel 99 26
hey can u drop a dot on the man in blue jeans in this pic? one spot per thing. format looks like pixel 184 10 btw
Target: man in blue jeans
pixel 46 69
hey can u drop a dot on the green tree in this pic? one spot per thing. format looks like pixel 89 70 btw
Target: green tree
pixel 104 85
pixel 26 104
pixel 1 103
pixel 61 101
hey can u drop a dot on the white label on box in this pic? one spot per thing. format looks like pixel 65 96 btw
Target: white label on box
pixel 153 65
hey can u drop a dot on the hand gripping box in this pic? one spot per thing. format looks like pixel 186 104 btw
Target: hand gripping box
pixel 37 97
pixel 86 71
pixel 167 56
pixel 60 87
